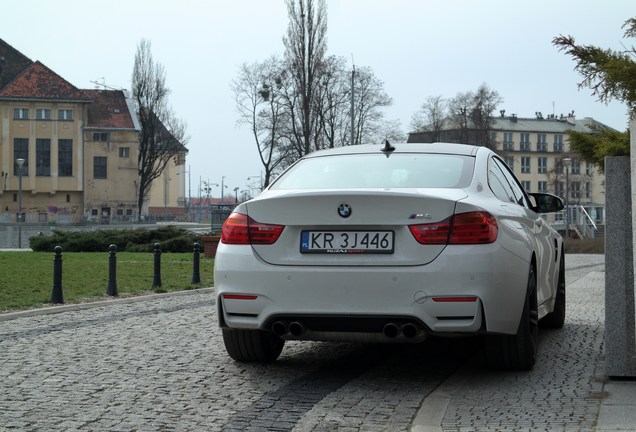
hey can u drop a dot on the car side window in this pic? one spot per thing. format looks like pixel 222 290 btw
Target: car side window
pixel 498 184
pixel 519 195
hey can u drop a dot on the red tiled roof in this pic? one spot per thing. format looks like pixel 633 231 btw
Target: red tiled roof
pixel 12 62
pixel 39 82
pixel 108 110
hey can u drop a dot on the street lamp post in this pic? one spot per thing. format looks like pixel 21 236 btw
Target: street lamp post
pixel 20 163
pixel 567 162
pixel 166 179
pixel 222 187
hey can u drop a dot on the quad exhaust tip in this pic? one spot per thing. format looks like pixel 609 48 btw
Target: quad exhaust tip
pixel 393 330
pixel 390 330
pixel 295 328
pixel 280 328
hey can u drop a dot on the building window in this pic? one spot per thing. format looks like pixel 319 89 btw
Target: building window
pixel 576 166
pixel 588 190
pixel 542 165
pixel 94 212
pixel 526 185
pixel 525 165
pixel 524 142
pixel 508 143
pixel 21 150
pixel 542 186
pixel 100 136
pixel 542 142
pixel 68 198
pixel 510 161
pixel 99 167
pixel 43 114
pixel 42 157
pixel 120 212
pixel 65 114
pixel 21 113
pixel 560 189
pixel 124 152
pixel 588 168
pixel 558 143
pixel 575 190
pixel 65 157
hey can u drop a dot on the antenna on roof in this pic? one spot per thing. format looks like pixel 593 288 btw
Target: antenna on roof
pixel 103 84
pixel 388 148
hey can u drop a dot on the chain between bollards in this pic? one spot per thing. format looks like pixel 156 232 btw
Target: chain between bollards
pixel 156 280
pixel 112 271
pixel 57 295
pixel 196 275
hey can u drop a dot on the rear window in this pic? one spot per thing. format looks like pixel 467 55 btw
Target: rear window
pixel 404 170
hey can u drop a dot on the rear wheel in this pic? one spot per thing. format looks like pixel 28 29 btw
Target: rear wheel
pixel 519 351
pixel 556 318
pixel 252 345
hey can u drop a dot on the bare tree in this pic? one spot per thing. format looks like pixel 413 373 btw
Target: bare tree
pixel 369 97
pixel 305 50
pixel 484 103
pixel 333 104
pixel 163 136
pixel 459 110
pixel 390 130
pixel 432 117
pixel 259 94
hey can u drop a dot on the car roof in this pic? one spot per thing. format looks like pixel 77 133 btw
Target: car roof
pixel 439 148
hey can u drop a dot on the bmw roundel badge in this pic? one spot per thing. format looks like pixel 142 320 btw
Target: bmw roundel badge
pixel 344 210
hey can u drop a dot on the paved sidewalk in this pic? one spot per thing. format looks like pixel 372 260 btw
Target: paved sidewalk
pixel 567 390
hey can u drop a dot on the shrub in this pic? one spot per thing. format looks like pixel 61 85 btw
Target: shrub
pixel 170 238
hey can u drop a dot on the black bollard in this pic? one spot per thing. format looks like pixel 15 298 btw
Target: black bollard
pixel 112 271
pixel 156 280
pixel 196 276
pixel 57 295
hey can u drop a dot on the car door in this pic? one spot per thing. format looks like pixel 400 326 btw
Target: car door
pixel 538 232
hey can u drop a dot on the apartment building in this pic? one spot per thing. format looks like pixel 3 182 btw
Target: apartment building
pixel 538 152
pixel 79 149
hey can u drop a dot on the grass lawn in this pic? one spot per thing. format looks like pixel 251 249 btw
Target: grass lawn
pixel 26 278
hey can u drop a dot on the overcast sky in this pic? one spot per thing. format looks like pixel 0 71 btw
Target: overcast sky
pixel 418 48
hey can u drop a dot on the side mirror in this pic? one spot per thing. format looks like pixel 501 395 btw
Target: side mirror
pixel 546 203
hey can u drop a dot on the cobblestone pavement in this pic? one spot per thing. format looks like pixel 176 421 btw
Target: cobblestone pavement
pixel 564 390
pixel 159 364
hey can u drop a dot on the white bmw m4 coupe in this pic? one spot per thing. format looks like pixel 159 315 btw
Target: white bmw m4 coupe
pixel 392 243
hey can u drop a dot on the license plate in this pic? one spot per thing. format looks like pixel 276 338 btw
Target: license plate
pixel 333 242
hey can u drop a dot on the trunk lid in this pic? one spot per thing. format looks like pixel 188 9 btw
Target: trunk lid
pixel 381 216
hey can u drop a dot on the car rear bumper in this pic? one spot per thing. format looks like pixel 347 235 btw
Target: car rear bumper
pixel 466 290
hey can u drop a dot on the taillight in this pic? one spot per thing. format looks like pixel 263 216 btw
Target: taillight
pixel 242 229
pixel 464 228
pixel 432 234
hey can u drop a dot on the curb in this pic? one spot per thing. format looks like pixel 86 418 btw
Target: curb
pixel 8 316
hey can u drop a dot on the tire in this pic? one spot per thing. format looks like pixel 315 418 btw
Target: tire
pixel 519 351
pixel 252 345
pixel 556 318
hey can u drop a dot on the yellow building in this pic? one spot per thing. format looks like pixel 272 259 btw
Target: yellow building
pixel 538 152
pixel 79 150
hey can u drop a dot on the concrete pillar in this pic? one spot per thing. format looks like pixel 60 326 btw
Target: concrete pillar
pixel 620 330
